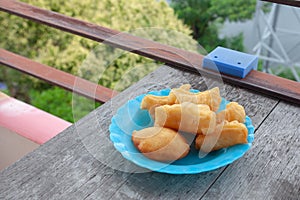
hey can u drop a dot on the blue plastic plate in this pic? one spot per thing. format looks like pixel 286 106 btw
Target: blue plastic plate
pixel 130 117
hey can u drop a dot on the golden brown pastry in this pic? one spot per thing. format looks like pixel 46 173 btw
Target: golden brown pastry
pixel 182 94
pixel 187 117
pixel 233 111
pixel 226 134
pixel 161 144
pixel 150 102
pixel 210 97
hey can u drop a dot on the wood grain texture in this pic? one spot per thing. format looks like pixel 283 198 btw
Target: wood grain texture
pixel 56 77
pixel 79 163
pixel 271 170
pixel 295 3
pixel 257 81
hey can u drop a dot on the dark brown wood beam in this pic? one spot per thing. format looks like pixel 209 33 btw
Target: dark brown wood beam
pixel 261 82
pixel 56 77
pixel 295 3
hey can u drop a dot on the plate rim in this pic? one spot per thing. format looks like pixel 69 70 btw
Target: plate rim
pixel 171 168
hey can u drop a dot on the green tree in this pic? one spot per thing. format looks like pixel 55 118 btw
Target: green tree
pixel 83 57
pixel 59 102
pixel 206 16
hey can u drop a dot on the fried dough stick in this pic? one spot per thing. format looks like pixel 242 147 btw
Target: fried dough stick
pixel 226 134
pixel 187 117
pixel 233 111
pixel 182 94
pixel 150 102
pixel 210 97
pixel 161 144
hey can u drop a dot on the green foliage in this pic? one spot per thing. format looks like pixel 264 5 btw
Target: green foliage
pixel 66 51
pixel 99 63
pixel 232 10
pixel 62 103
pixel 282 71
pixel 206 16
pixel 17 83
pixel 115 65
pixel 50 98
pixel 287 73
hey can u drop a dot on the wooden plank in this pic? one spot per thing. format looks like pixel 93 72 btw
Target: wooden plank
pixel 260 82
pixel 271 170
pixel 56 77
pixel 295 3
pixel 79 163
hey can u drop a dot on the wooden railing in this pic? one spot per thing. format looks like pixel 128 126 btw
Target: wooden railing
pixel 261 82
pixel 295 3
pixel 56 77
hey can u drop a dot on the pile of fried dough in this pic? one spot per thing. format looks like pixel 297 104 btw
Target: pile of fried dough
pixel 191 113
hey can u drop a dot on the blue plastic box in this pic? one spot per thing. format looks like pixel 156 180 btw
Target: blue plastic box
pixel 230 62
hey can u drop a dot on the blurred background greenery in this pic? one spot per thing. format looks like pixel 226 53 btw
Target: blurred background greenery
pixel 180 23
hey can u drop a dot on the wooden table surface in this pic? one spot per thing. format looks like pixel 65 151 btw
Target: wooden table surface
pixel 77 163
